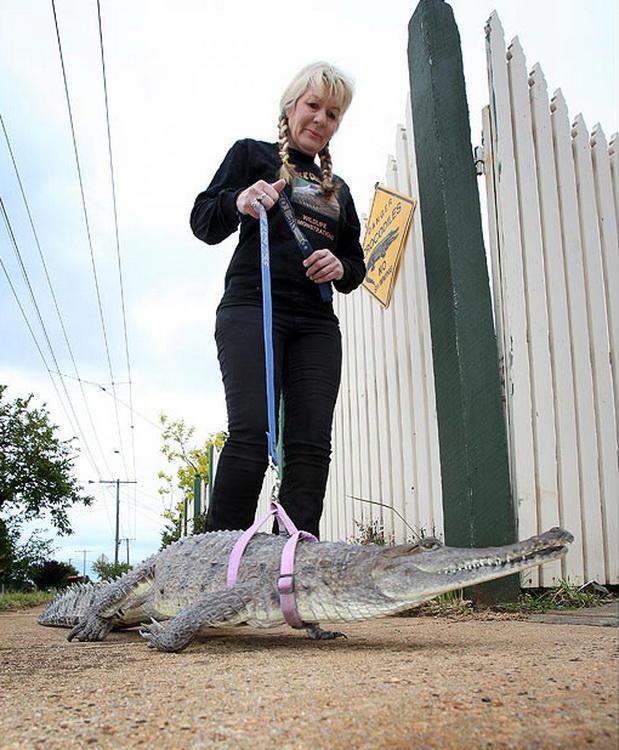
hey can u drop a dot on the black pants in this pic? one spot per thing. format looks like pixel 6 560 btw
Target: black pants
pixel 308 359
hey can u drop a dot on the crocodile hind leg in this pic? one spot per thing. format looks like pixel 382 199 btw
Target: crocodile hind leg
pixel 110 604
pixel 227 607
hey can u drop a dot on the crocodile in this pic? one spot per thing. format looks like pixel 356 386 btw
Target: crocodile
pixel 184 585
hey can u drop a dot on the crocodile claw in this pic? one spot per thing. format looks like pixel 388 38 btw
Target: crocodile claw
pixel 90 628
pixel 316 633
pixel 154 633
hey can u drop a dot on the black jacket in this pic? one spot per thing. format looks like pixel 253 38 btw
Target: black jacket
pixel 327 223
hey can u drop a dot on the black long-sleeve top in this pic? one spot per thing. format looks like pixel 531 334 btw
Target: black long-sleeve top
pixel 327 222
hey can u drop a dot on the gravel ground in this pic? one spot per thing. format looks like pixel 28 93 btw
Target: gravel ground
pixel 395 683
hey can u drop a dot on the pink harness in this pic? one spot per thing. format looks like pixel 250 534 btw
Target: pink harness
pixel 285 582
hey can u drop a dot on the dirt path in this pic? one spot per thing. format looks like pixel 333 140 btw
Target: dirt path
pixel 395 683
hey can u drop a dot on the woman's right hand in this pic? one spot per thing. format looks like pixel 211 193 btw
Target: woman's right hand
pixel 260 192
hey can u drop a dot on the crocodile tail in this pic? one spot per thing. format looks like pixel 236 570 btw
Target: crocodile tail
pixel 66 609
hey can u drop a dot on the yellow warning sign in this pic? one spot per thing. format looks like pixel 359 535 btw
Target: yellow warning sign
pixel 385 239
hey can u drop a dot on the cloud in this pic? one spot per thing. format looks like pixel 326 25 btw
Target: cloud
pixel 172 318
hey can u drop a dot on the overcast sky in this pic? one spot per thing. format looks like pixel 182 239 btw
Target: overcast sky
pixel 185 80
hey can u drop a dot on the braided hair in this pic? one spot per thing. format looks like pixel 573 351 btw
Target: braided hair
pixel 287 169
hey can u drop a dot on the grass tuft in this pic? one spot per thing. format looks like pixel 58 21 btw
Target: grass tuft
pixel 22 600
pixel 565 596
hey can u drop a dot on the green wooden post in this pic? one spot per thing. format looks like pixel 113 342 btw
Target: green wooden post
pixel 211 473
pixel 477 500
pixel 197 497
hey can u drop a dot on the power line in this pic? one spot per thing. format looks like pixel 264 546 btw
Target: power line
pixel 93 382
pixel 119 400
pixel 152 497
pixel 88 233
pixel 52 292
pixel 36 343
pixel 147 509
pixel 120 271
pixel 43 328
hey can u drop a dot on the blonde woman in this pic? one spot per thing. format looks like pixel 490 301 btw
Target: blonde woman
pixel 306 336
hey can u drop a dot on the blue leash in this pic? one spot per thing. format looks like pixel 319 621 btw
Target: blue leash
pixel 267 325
pixel 267 312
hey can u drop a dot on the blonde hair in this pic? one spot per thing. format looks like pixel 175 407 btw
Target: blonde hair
pixel 325 79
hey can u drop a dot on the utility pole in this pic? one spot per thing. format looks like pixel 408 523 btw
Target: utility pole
pixel 127 540
pixel 117 482
pixel 83 552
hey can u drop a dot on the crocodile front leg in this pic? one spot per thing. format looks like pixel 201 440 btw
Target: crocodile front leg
pixel 227 607
pixel 109 605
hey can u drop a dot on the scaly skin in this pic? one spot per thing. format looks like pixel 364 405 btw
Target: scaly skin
pixel 186 585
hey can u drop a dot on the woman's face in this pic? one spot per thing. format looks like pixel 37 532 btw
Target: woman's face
pixel 312 121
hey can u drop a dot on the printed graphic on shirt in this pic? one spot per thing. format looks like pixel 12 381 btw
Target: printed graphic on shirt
pixel 317 226
pixel 306 192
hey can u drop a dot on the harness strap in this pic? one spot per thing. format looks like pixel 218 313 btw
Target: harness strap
pixel 285 583
pixel 241 543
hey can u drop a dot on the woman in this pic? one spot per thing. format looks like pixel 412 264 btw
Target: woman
pixel 306 336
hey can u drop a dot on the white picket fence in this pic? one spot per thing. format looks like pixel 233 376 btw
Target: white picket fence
pixel 385 465
pixel 553 205
pixel 552 193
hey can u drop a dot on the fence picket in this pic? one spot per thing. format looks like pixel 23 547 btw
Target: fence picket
pixel 390 403
pixel 398 312
pixel 416 481
pixel 536 309
pixel 362 395
pixel 354 447
pixel 346 456
pixel 613 155
pixel 579 334
pixel 384 417
pixel 498 306
pixel 558 315
pixel 430 505
pixel 598 327
pixel 518 389
pixel 607 223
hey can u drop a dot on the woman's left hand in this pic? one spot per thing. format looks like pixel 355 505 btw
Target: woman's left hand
pixel 322 265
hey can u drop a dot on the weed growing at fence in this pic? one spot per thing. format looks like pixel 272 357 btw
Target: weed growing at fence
pixel 373 532
pixel 23 600
pixel 565 596
pixel 370 533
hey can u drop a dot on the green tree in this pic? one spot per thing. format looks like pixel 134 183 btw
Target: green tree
pixel 108 571
pixel 19 558
pixel 51 574
pixel 36 466
pixel 189 461
pixel 174 527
